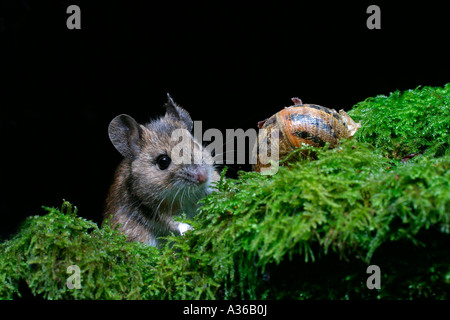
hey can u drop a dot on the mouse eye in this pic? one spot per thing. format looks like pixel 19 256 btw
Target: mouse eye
pixel 163 161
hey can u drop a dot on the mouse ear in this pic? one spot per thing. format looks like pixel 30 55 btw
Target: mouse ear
pixel 125 134
pixel 173 110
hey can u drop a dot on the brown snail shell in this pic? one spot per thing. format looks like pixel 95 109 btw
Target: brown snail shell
pixel 303 124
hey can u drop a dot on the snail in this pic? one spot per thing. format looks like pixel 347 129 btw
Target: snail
pixel 301 124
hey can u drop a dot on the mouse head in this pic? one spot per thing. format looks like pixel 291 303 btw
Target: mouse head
pixel 152 150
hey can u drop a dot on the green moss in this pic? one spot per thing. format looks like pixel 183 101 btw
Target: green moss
pixel 308 232
pixel 328 216
pixel 406 122
pixel 39 255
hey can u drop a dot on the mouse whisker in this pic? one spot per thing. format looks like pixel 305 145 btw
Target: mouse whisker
pixel 157 209
pixel 173 199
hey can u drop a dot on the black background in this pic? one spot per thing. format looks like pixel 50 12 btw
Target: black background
pixel 230 65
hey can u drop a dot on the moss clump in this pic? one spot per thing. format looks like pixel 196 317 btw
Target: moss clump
pixel 314 228
pixel 411 121
pixel 39 255
pixel 308 232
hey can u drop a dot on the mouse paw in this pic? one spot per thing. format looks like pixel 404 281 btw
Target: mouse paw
pixel 183 227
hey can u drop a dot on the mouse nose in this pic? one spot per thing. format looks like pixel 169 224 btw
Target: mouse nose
pixel 201 176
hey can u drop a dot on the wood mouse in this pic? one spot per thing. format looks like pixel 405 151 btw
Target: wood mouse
pixel 150 188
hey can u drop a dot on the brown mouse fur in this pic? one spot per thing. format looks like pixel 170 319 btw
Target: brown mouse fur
pixel 146 195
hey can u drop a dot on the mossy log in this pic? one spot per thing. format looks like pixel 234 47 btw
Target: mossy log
pixel 308 232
